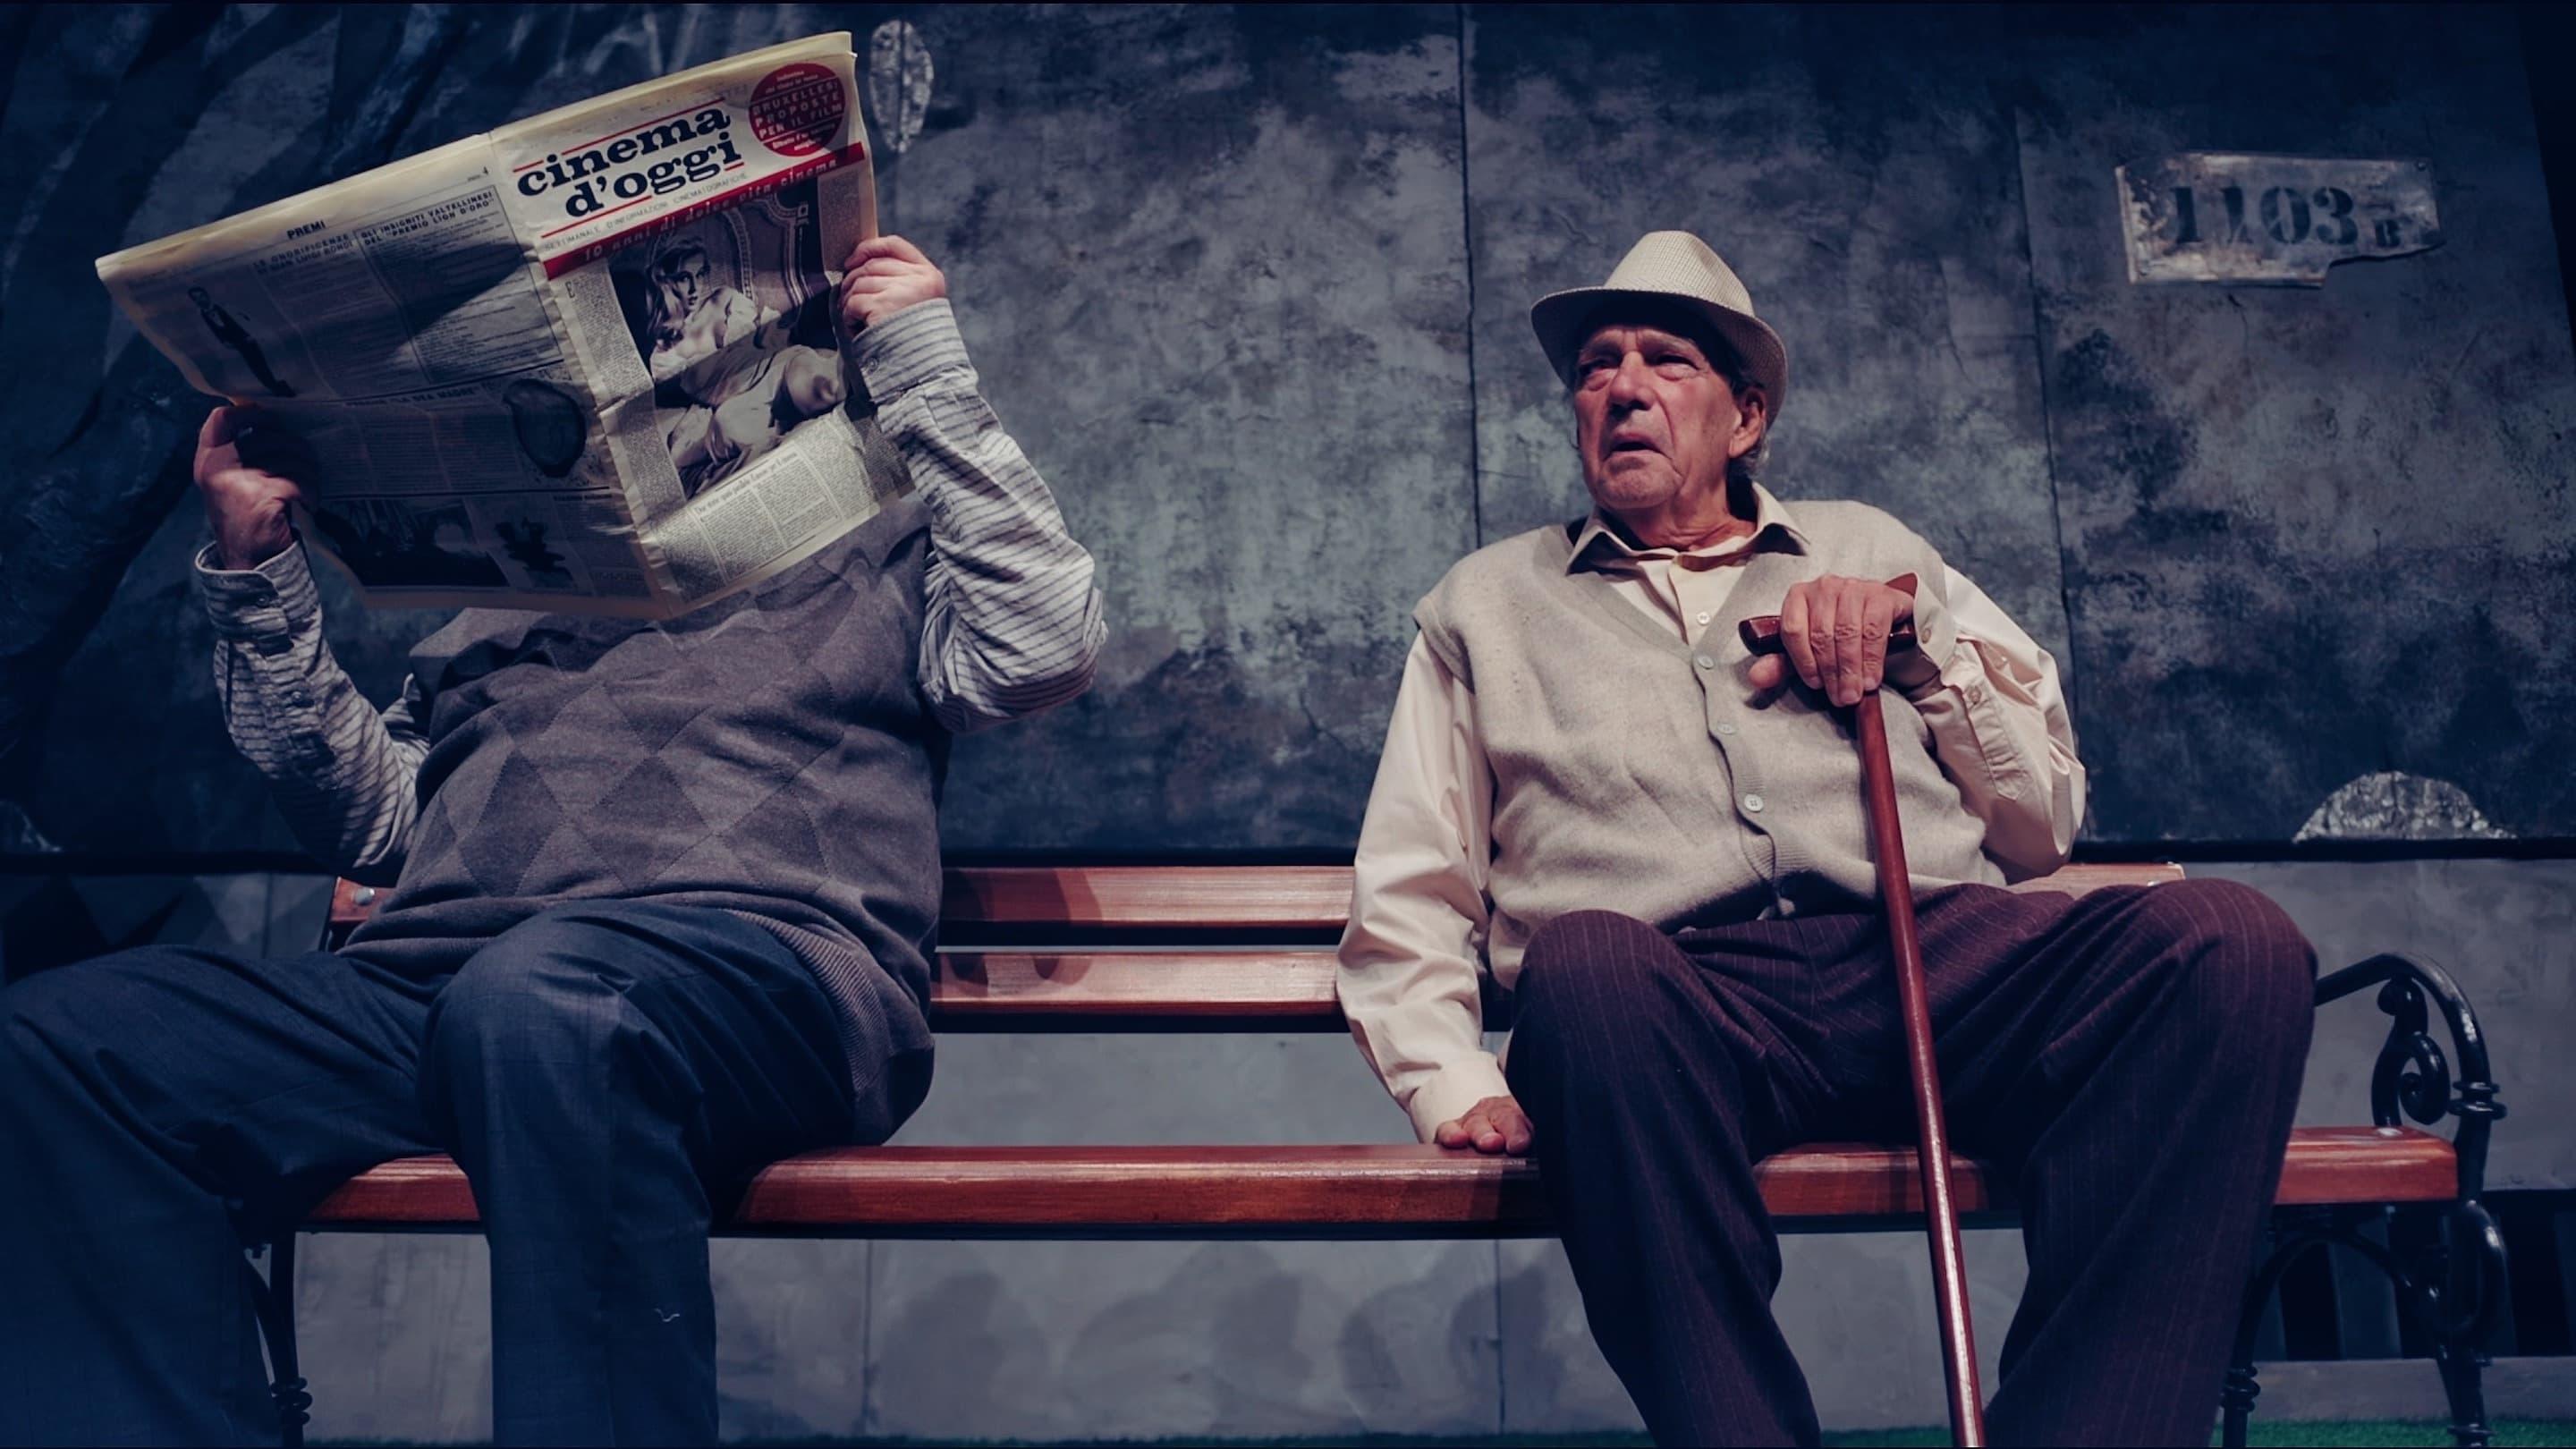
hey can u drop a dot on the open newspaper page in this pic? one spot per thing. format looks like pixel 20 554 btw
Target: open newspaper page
pixel 585 362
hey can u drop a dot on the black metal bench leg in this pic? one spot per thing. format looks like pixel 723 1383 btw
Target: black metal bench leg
pixel 2448 1263
pixel 273 1298
pixel 2459 1274
pixel 2464 1382
pixel 2236 1397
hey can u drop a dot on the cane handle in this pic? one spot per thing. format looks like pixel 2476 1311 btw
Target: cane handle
pixel 1761 634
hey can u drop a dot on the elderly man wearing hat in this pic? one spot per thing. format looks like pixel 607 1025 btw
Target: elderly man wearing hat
pixel 1656 841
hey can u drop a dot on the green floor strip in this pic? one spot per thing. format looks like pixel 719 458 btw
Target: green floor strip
pixel 2359 1433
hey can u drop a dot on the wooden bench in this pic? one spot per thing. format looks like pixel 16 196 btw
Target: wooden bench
pixel 1250 949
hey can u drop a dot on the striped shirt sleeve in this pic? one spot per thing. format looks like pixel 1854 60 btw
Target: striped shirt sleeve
pixel 1011 622
pixel 342 773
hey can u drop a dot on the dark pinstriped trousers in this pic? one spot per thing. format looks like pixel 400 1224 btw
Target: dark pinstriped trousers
pixel 2128 1061
pixel 608 1073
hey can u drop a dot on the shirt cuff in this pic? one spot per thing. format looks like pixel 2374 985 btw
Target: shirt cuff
pixel 1453 1089
pixel 908 349
pixel 1936 638
pixel 273 600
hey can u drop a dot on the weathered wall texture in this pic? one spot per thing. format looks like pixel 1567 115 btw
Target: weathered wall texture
pixel 1214 274
pixel 1251 284
pixel 1853 169
pixel 2309 535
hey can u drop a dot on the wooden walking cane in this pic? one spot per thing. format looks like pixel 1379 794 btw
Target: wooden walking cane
pixel 1896 895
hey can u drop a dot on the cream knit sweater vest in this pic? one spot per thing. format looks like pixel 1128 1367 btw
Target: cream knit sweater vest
pixel 1636 773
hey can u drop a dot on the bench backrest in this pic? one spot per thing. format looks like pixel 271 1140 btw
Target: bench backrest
pixel 1163 948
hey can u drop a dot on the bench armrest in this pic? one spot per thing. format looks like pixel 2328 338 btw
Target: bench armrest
pixel 2412 1077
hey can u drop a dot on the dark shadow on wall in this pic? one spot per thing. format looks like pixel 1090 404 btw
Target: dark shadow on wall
pixel 2548 38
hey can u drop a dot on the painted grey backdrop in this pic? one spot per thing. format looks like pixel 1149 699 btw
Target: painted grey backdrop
pixel 1250 284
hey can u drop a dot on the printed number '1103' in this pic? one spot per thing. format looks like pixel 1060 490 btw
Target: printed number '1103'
pixel 2288 215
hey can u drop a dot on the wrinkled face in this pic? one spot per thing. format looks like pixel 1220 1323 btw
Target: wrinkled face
pixel 813 381
pixel 1655 421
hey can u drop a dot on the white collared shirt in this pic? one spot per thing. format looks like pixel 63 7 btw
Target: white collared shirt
pixel 1419 918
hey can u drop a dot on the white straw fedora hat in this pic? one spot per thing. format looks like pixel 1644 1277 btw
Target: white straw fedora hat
pixel 1668 267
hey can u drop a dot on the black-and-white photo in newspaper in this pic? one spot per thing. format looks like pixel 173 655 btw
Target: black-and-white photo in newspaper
pixel 732 316
pixel 552 428
pixel 403 544
pixel 526 531
pixel 237 339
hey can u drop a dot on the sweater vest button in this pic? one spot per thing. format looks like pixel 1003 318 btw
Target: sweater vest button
pixel 1726 729
pixel 1704 661
pixel 1753 804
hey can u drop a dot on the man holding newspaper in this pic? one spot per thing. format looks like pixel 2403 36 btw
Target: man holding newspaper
pixel 662 901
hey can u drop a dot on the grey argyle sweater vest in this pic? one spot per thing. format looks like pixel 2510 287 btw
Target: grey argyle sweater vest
pixel 770 754
pixel 1634 772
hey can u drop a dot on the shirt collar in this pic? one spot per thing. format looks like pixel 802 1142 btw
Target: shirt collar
pixel 1596 534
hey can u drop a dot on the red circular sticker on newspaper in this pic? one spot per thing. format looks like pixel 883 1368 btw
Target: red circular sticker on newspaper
pixel 796 110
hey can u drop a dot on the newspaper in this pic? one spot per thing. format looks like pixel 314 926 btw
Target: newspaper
pixel 585 362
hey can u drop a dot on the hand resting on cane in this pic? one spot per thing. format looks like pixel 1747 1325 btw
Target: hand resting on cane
pixel 1834 632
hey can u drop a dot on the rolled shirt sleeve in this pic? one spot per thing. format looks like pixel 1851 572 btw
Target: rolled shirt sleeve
pixel 1999 727
pixel 343 773
pixel 1408 974
pixel 1012 623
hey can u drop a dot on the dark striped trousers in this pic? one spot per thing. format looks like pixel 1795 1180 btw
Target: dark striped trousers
pixel 2128 1061
pixel 608 1073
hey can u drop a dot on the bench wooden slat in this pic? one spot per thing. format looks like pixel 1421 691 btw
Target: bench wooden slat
pixel 1263 897
pixel 1276 990
pixel 1265 990
pixel 1205 897
pixel 2086 877
pixel 1215 897
pixel 1365 1191
pixel 1112 990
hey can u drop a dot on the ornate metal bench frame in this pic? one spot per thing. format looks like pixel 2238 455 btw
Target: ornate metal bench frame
pixel 2448 1285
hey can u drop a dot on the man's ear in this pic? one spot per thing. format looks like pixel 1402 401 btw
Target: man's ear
pixel 1752 422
